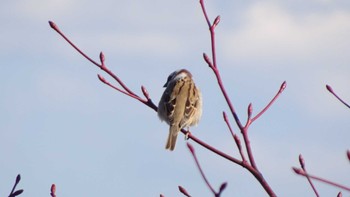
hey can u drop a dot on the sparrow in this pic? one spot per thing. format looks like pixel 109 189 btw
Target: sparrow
pixel 180 105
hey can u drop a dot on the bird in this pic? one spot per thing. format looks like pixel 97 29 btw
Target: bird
pixel 180 105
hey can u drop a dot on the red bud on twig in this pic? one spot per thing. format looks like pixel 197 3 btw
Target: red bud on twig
pixel 329 88
pixel 339 194
pixel 18 179
pixel 207 59
pixel 16 193
pixel 53 190
pixel 297 170
pixel 348 154
pixel 283 86
pixel 250 110
pixel 222 187
pixel 301 161
pixel 145 92
pixel 216 21
pixel 102 58
pixel 101 78
pixel 53 25
pixel 184 192
pixel 161 195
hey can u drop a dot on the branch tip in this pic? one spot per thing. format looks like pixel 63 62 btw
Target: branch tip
pixel 102 79
pixel 329 88
pixel 250 110
pixel 222 187
pixel 348 154
pixel 145 92
pixel 18 179
pixel 283 86
pixel 216 21
pixel 225 116
pixel 53 190
pixel 16 193
pixel 102 57
pixel 297 170
pixel 207 59
pixel 301 161
pixel 339 194
pixel 184 191
pixel 53 25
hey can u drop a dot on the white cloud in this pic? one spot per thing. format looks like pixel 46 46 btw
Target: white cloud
pixel 270 30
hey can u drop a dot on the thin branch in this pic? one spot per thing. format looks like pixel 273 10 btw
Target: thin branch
pixel 18 192
pixel 244 129
pixel 330 89
pixel 235 137
pixel 184 191
pixel 147 102
pixel 103 67
pixel 301 172
pixel 302 164
pixel 282 87
pixel 223 186
pixel 211 148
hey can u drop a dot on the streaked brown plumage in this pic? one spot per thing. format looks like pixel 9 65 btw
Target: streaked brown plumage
pixel 180 105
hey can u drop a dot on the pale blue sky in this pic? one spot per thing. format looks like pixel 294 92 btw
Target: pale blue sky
pixel 59 124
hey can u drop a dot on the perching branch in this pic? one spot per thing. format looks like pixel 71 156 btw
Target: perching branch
pixel 122 88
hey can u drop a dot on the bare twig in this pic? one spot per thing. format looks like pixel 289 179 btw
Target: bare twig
pixel 235 138
pixel 18 192
pixel 222 187
pixel 125 90
pixel 184 191
pixel 303 173
pixel 282 87
pixel 330 89
pixel 252 167
pixel 302 164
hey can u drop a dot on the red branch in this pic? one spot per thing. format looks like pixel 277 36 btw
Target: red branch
pixel 303 173
pixel 184 191
pixel 223 185
pixel 302 164
pixel 252 167
pixel 125 90
pixel 330 89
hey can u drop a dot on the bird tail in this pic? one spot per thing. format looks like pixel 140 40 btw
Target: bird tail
pixel 173 132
